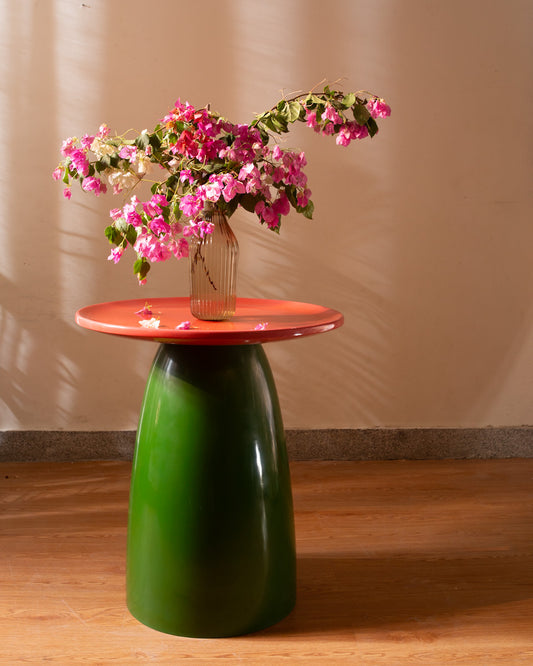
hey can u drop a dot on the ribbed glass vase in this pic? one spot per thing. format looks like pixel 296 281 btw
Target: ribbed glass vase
pixel 213 270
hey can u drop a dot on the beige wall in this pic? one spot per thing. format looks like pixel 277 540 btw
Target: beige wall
pixel 422 237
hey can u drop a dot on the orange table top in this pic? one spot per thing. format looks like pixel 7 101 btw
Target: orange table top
pixel 255 321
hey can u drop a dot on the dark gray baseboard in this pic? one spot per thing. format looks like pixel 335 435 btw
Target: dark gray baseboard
pixel 328 444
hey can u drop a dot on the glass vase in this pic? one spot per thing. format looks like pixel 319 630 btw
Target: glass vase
pixel 213 271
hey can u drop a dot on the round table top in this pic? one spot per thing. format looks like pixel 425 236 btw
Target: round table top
pixel 169 320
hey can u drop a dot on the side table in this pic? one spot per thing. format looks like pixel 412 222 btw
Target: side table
pixel 211 548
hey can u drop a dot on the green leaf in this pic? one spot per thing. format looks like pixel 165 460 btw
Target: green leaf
pixel 348 100
pixel 112 235
pixel 295 110
pixel 264 136
pixel 154 141
pixel 372 127
pixel 141 268
pixel 268 122
pixel 290 191
pixel 66 179
pixel 176 211
pixel 142 141
pixel 100 165
pixel 249 201
pixel 280 124
pixel 361 114
pixel 131 234
pixel 308 210
pixel 230 207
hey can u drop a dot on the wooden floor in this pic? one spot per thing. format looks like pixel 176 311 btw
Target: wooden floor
pixel 420 562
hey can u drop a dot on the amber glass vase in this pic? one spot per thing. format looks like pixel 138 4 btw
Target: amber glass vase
pixel 213 264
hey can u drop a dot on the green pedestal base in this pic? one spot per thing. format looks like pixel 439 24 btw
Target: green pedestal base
pixel 211 535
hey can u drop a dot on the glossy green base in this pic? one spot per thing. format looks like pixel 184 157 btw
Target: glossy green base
pixel 211 534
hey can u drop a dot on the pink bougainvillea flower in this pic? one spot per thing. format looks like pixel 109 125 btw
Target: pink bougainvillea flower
pixel 343 137
pixel 79 161
pixel 180 248
pixel 115 254
pixel 130 214
pixel 332 115
pixel 277 153
pixel 58 174
pixel 67 192
pixel 282 205
pixel 213 189
pixel 186 176
pixel 184 326
pixel 357 131
pixel 92 184
pixel 191 205
pixel 261 326
pixel 232 188
pixel 103 131
pixel 302 198
pixel 87 141
pixel 378 109
pixel 159 226
pixel 311 120
pixel 128 153
pixel 68 146
pixel 146 311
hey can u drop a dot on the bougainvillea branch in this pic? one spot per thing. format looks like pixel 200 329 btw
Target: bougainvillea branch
pixel 196 159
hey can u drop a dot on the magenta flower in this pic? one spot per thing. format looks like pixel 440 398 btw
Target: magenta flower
pixel 343 137
pixel 186 176
pixel 184 326
pixel 79 161
pixel 129 153
pixel 332 115
pixel 67 193
pixel 277 153
pixel 159 226
pixel 146 311
pixel 115 254
pixel 232 188
pixel 311 120
pixel 357 131
pixel 58 174
pixel 151 208
pixel 302 198
pixel 378 109
pixel 213 189
pixel 87 141
pixel 95 185
pixel 180 248
pixel 191 205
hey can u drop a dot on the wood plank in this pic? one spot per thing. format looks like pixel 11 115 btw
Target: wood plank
pixel 419 562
